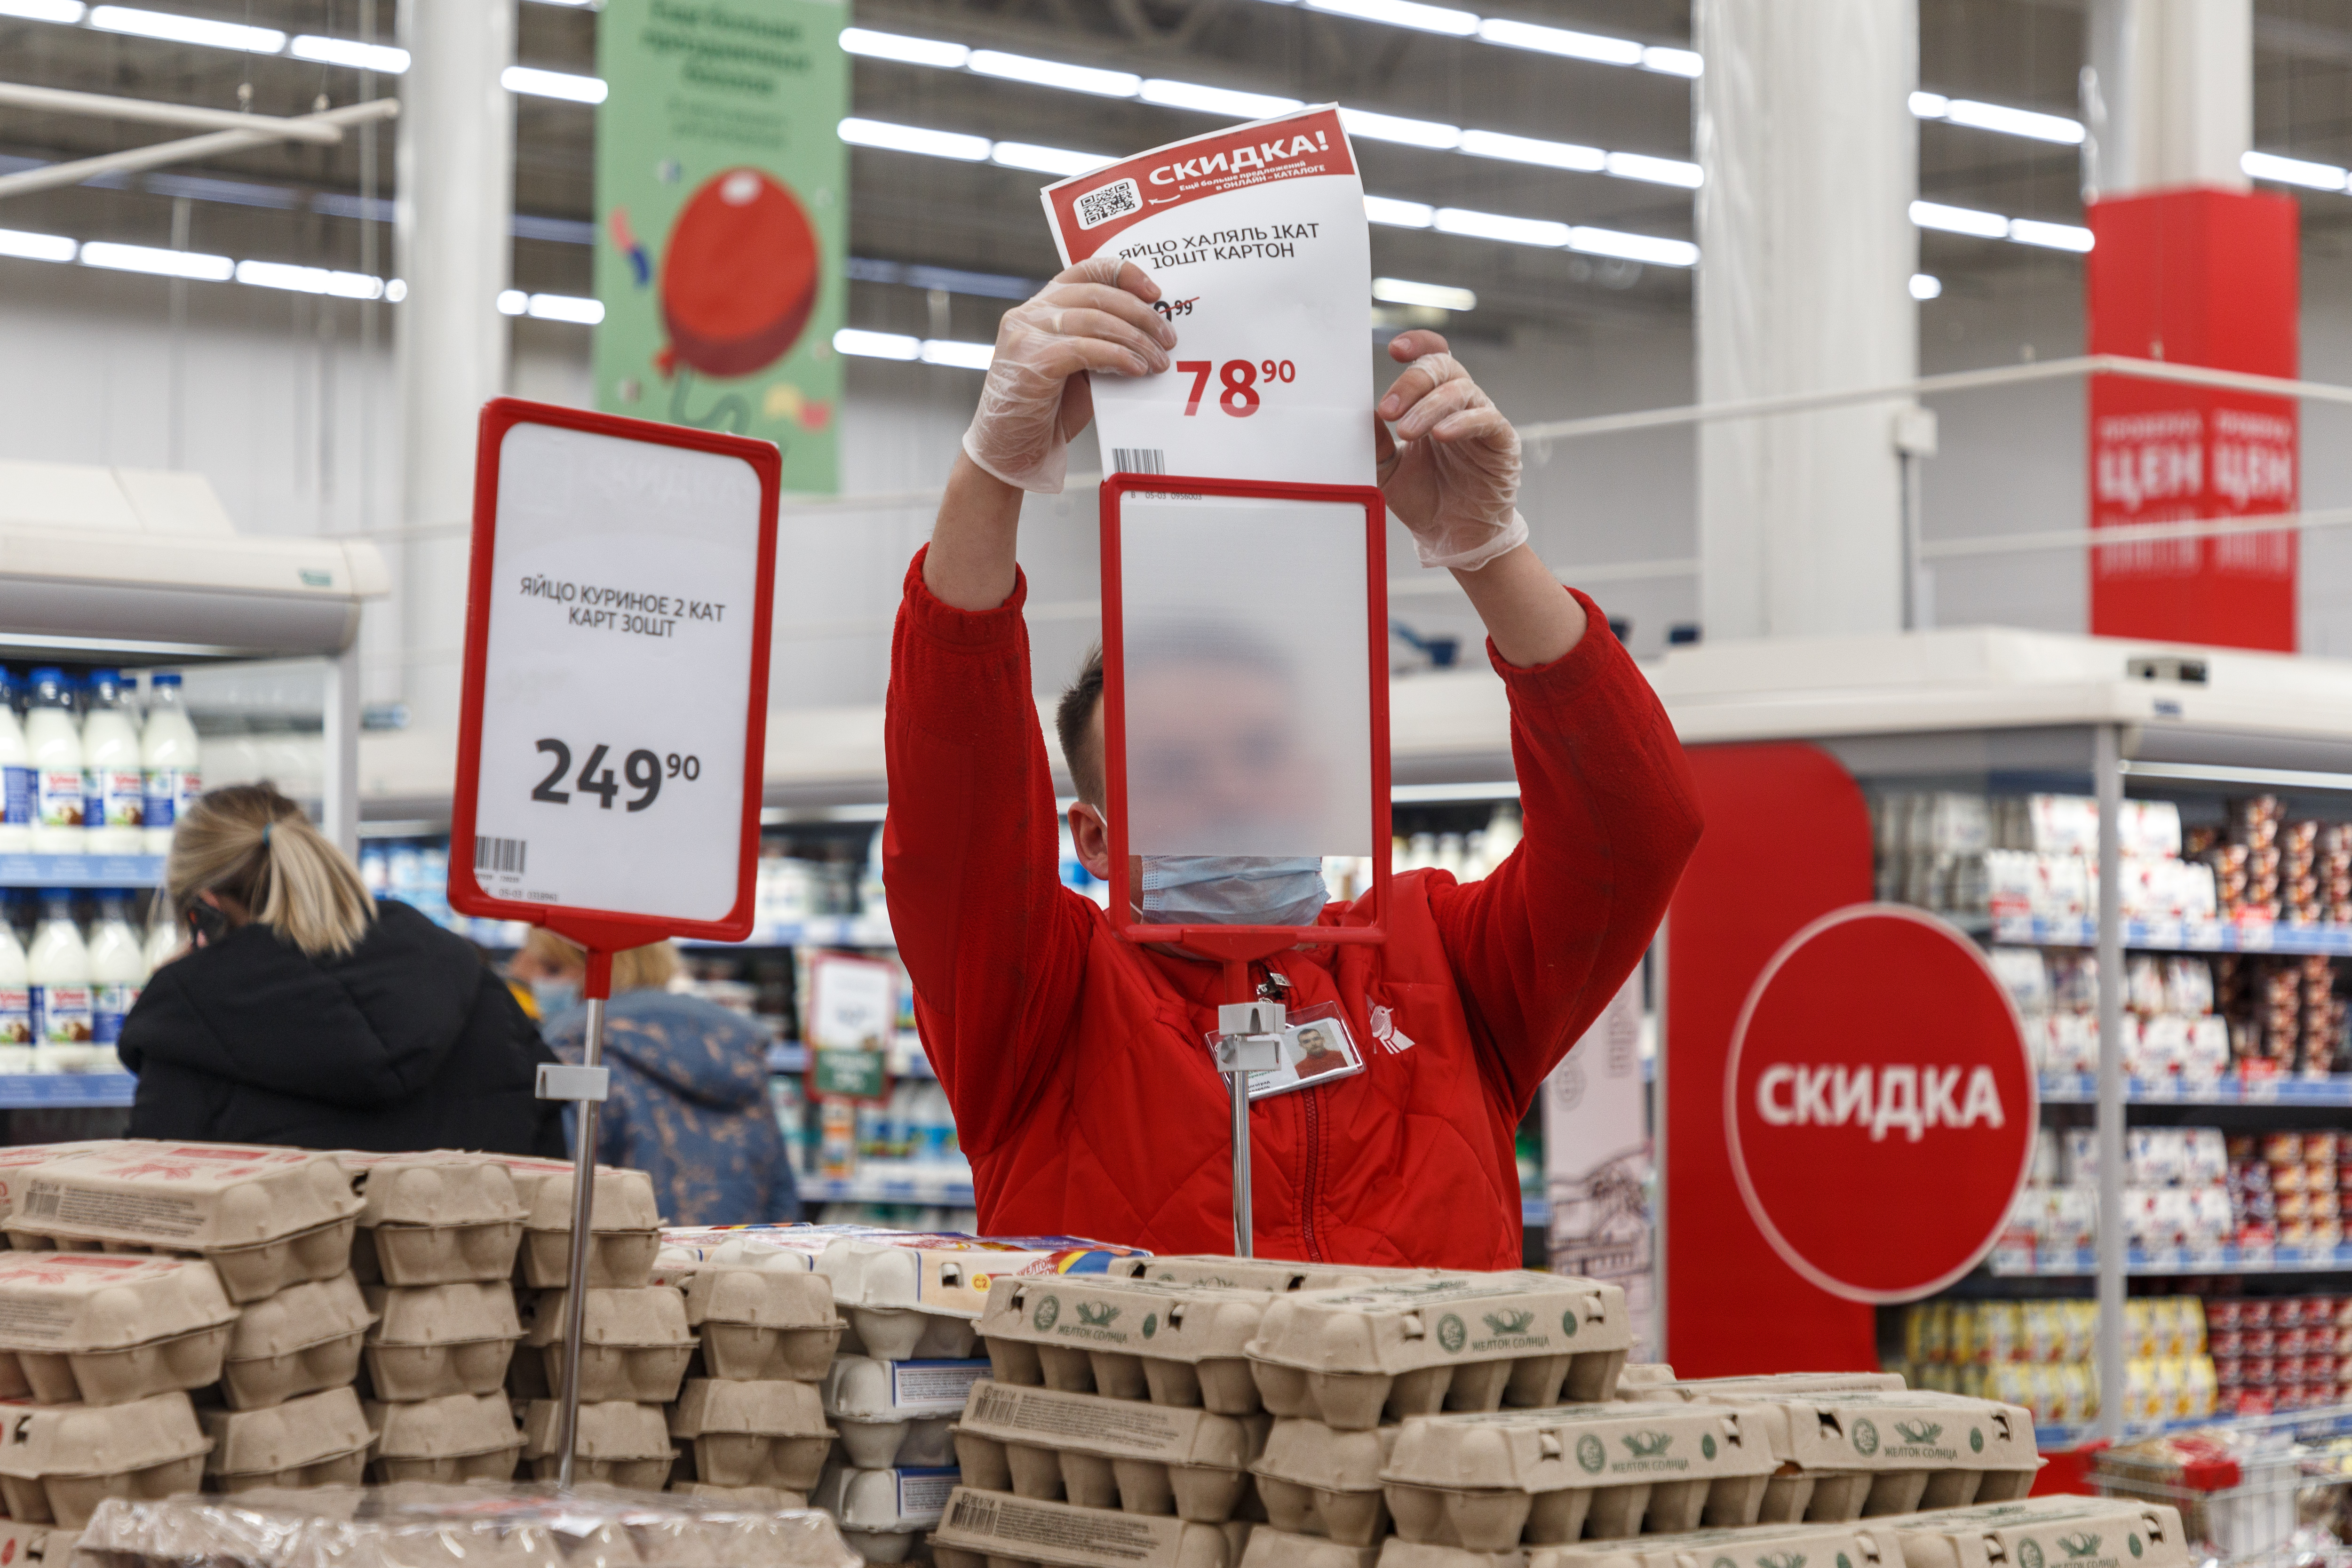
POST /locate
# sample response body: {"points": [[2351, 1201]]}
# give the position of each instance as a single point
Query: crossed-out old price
{"points": [[643, 769], [1241, 379]]}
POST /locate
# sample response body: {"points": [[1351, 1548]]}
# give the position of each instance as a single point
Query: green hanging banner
{"points": [[722, 221]]}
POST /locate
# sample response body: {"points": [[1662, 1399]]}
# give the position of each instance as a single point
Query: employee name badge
{"points": [[1317, 1049], [1257, 240]]}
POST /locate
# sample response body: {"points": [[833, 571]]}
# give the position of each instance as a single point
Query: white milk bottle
{"points": [[15, 1004], [54, 737], [114, 787], [58, 969], [167, 754], [118, 968], [19, 796]]}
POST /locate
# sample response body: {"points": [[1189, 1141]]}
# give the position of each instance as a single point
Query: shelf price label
{"points": [[615, 677]]}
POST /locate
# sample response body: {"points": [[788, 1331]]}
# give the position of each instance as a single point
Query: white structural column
{"points": [[1807, 250], [456, 173], [2168, 96]]}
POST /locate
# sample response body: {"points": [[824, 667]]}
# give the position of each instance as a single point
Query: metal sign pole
{"points": [[583, 1087], [1249, 1039]]}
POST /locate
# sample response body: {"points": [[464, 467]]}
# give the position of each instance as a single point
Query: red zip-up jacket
{"points": [[1076, 1061]]}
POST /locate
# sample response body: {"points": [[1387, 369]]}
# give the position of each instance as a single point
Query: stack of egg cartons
{"points": [[634, 1342], [436, 1248], [220, 1264]]}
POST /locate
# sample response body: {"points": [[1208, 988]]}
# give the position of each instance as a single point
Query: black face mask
{"points": [[205, 923]]}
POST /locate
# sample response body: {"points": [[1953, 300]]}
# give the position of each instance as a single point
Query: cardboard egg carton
{"points": [[997, 1529], [98, 1328], [753, 1434], [760, 1325], [319, 1439], [1767, 1546], [36, 1545], [435, 1218], [2082, 1531], [1097, 1452], [909, 1296], [1315, 1482], [1127, 1338], [1643, 1379], [58, 1462], [18, 1160], [623, 1220], [1254, 1273], [634, 1345], [1773, 1385], [1494, 1480], [304, 1339], [266, 1217], [456, 1437], [1272, 1548], [896, 1413], [619, 1444], [741, 1497], [1861, 1453], [883, 1512], [433, 1341], [1351, 1358]]}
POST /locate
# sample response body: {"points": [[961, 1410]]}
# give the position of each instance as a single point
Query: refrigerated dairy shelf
{"points": [[65, 1090], [2083, 1089], [81, 870], [2183, 1261], [2179, 936]]}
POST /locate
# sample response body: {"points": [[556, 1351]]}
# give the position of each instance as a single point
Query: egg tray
{"points": [[436, 1254], [749, 1353], [116, 1377], [458, 1438], [2111, 1531], [621, 1445], [760, 1325], [1866, 1453], [892, 1413], [1767, 1546], [407, 1374], [211, 1199], [617, 1259], [304, 1339], [995, 1529], [622, 1200], [1271, 1548], [319, 1439], [1103, 1453], [57, 1463], [36, 1545], [1318, 1482], [433, 1341], [246, 1273], [883, 1512], [99, 1330], [634, 1346], [1175, 1344], [1255, 1273], [752, 1433]]}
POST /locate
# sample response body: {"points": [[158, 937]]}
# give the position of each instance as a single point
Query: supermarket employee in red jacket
{"points": [[1076, 1060]]}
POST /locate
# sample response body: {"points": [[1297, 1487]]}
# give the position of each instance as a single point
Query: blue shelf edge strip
{"points": [[126, 871], [2180, 936], [65, 1090], [2218, 1260], [2082, 1088]]}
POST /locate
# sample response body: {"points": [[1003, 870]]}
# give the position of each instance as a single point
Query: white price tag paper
{"points": [[1258, 238], [853, 1002], [616, 697]]}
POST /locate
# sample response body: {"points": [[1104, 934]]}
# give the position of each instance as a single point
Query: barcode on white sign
{"points": [[499, 853], [1139, 460], [1117, 199]]}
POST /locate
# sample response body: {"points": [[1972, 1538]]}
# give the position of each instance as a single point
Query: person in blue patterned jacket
{"points": [[689, 1097]]}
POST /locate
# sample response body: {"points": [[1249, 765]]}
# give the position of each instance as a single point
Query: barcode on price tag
{"points": [[1139, 460], [499, 854]]}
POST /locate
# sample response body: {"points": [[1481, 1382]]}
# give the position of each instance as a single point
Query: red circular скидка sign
{"points": [[1880, 1103]]}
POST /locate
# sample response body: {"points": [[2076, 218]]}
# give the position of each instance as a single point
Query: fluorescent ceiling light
{"points": [[1560, 41], [1046, 160], [1960, 220], [2014, 121], [1436, 296], [567, 308], [1055, 73], [1494, 226], [1396, 128], [1656, 171], [905, 50], [2054, 236], [1397, 214], [1673, 62], [66, 11], [1404, 14], [535, 83], [1529, 150], [963, 356], [163, 263], [396, 290], [188, 30], [309, 279], [514, 302], [1649, 247], [349, 52], [875, 345], [1926, 286], [27, 246], [1217, 100], [1929, 105], [2293, 172], [915, 139]]}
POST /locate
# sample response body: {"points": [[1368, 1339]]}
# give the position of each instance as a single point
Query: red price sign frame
{"points": [[606, 932], [1242, 943]]}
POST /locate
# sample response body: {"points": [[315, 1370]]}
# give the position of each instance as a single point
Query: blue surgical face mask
{"points": [[554, 995], [1233, 889]]}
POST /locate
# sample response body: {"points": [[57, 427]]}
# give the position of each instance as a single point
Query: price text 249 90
{"points": [[643, 769]]}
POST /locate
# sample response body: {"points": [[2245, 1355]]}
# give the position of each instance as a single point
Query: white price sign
{"points": [[616, 650], [853, 1002]]}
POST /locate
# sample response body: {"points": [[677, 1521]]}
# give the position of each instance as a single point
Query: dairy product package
{"points": [[623, 1218], [1351, 1357], [896, 1413], [1766, 1546], [318, 1439], [58, 1462], [1108, 1453], [634, 1345], [108, 1329], [1258, 238], [305, 1338], [909, 1296], [266, 1218], [1490, 1481], [515, 1526], [2094, 1531], [435, 1218], [1865, 1453], [1128, 1339], [432, 1341], [1319, 1482], [1254, 1273], [993, 1530], [456, 1437], [883, 1513], [753, 1434], [760, 1324], [619, 1444]]}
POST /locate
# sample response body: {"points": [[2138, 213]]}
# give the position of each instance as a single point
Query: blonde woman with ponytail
{"points": [[303, 1011]]}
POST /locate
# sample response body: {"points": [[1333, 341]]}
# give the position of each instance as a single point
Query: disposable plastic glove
{"points": [[1451, 472], [1096, 316]]}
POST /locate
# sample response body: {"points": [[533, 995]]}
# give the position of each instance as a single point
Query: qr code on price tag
{"points": [[1115, 200]]}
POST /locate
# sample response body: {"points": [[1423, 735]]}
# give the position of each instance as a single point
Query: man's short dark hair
{"points": [[1074, 723]]}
